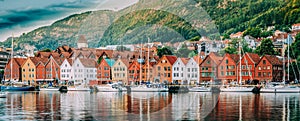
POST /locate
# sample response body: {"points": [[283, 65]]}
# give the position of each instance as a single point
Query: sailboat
{"points": [[238, 88], [281, 87], [148, 87], [16, 86]]}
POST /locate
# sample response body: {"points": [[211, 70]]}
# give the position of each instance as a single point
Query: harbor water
{"points": [[155, 106]]}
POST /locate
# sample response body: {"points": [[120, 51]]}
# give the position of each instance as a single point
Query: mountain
{"points": [[175, 22]]}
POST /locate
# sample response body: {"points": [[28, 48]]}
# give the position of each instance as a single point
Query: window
{"points": [[169, 68], [208, 62], [29, 70], [158, 68], [32, 69], [264, 61], [221, 67], [259, 68], [23, 70], [188, 69], [226, 61], [268, 67]]}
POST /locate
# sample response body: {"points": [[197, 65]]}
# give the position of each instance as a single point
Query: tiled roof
{"points": [[298, 24], [44, 54], [136, 64], [126, 62], [197, 59], [44, 60], [20, 61], [172, 59], [35, 60], [70, 61], [255, 57], [215, 57], [59, 60], [235, 57], [88, 63], [273, 60], [65, 54]]}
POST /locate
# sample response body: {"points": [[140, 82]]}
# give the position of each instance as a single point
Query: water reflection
{"points": [[148, 106]]}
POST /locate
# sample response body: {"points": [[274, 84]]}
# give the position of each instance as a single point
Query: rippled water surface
{"points": [[148, 106]]}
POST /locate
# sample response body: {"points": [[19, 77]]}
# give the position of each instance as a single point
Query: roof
{"points": [[298, 24], [235, 57], [20, 61], [255, 57], [88, 63], [215, 57], [273, 60], [82, 39], [126, 62], [172, 59], [65, 54], [135, 63], [110, 62], [185, 60], [70, 61], [35, 60], [197, 59]]}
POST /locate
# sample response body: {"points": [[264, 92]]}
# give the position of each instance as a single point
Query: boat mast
{"points": [[288, 64], [240, 65], [148, 61], [11, 57], [141, 63], [284, 73]]}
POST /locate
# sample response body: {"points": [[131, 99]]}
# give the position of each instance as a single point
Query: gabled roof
{"points": [[110, 62], [70, 61], [43, 61], [235, 57], [197, 59], [254, 57], [88, 63], [172, 59], [135, 63], [273, 60], [35, 60], [126, 62], [65, 54], [20, 61], [215, 57], [185, 60]]}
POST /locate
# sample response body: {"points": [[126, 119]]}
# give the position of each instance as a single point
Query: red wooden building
{"points": [[14, 73], [227, 69], [248, 64], [209, 66], [269, 68]]}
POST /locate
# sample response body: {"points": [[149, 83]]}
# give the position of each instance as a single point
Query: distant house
{"points": [[66, 71], [82, 42], [12, 69], [29, 70], [104, 71], [163, 70], [84, 70], [228, 69], [296, 27], [248, 64], [192, 70], [120, 71], [134, 71], [269, 68], [41, 70], [148, 71], [237, 35], [209, 66], [179, 71]]}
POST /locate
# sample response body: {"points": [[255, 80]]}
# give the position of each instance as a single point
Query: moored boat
{"points": [[236, 89], [280, 89], [144, 88], [200, 89], [19, 88], [78, 88], [111, 88], [2, 95], [50, 89]]}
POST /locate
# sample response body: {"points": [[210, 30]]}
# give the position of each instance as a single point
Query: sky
{"points": [[22, 16]]}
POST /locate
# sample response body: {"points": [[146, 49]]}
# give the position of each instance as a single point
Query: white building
{"points": [[82, 42], [192, 71], [179, 71], [85, 70], [66, 70]]}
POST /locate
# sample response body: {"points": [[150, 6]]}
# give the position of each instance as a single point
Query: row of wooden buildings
{"points": [[96, 66]]}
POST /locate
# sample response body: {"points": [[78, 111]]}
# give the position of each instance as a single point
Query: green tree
{"points": [[254, 32], [193, 53], [183, 52], [122, 48], [266, 48], [295, 48], [196, 38], [164, 51]]}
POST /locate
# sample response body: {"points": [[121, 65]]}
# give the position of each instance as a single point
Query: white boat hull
{"points": [[145, 89], [199, 89], [2, 95], [280, 90], [79, 89], [49, 89], [110, 89], [237, 89]]}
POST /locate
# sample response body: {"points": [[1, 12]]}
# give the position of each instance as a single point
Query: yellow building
{"points": [[29, 70]]}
